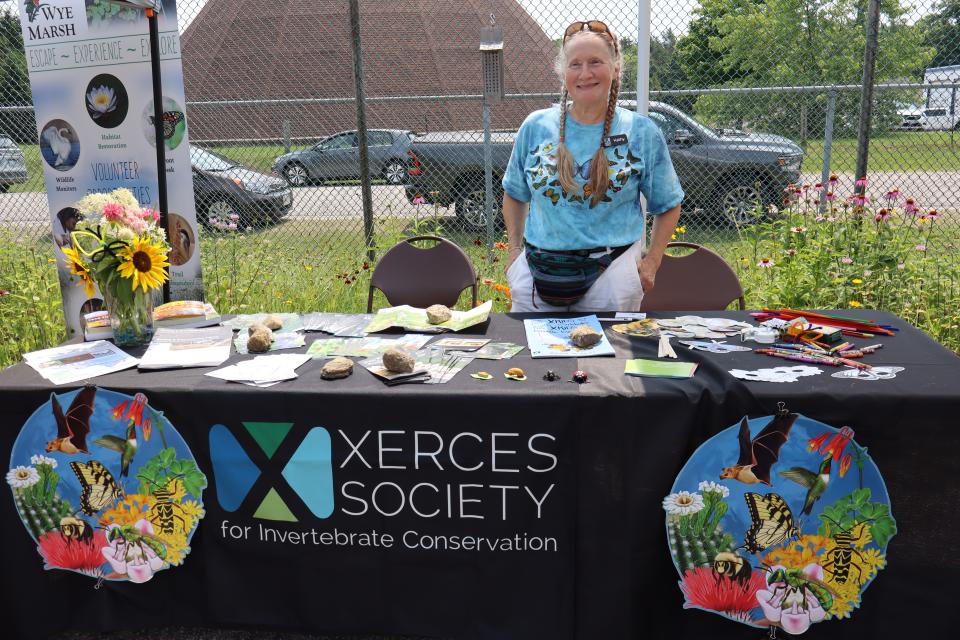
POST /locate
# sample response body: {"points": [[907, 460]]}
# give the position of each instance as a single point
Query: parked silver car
{"points": [[13, 167], [338, 158]]}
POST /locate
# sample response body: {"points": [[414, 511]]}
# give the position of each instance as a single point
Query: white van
{"points": [[941, 109]]}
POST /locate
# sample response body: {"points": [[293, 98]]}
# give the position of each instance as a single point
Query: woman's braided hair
{"points": [[599, 165]]}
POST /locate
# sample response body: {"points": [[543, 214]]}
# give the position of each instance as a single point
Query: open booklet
{"points": [[75, 362], [183, 348], [414, 319]]}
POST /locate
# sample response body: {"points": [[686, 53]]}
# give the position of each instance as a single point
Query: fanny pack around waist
{"points": [[562, 278]]}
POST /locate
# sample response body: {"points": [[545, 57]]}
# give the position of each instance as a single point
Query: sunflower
{"points": [[78, 269], [143, 263]]}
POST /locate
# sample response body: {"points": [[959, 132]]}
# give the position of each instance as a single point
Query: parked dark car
{"points": [[13, 167], [222, 186], [338, 158], [722, 171]]}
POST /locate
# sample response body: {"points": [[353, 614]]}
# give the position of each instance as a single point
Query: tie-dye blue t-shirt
{"points": [[563, 221]]}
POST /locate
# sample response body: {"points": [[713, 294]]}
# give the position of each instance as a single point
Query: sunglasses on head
{"points": [[595, 26]]}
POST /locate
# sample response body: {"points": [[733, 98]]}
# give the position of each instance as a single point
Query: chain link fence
{"points": [[750, 95]]}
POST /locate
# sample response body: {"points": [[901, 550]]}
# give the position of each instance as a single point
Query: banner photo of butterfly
{"points": [[779, 522], [106, 486]]}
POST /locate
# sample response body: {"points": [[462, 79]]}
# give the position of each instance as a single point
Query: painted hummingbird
{"points": [[126, 448], [816, 483]]}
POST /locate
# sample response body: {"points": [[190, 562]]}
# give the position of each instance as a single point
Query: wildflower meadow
{"points": [[882, 251]]}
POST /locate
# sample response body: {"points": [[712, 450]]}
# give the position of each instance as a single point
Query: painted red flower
{"points": [[135, 412], [478, 242], [66, 553], [845, 464], [119, 409], [814, 444], [502, 246], [702, 589], [837, 443]]}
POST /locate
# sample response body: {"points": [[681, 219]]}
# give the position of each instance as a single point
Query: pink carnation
{"points": [[149, 214]]}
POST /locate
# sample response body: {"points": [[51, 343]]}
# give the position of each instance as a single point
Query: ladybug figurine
{"points": [[579, 376], [551, 376]]}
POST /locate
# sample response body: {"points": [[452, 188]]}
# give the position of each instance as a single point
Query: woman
{"points": [[572, 190]]}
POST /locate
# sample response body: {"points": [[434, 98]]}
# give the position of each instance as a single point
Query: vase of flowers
{"points": [[121, 248]]}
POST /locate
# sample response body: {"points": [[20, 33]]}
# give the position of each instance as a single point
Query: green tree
{"points": [[806, 42], [15, 89], [943, 33], [697, 52], [665, 70]]}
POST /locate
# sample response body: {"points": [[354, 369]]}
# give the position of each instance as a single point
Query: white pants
{"points": [[617, 289]]}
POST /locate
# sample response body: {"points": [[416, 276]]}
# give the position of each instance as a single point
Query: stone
{"points": [[255, 327], [273, 322], [398, 360], [584, 336], [338, 367], [438, 313], [260, 341]]}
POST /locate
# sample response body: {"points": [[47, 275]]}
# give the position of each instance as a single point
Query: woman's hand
{"points": [[648, 268], [512, 255]]}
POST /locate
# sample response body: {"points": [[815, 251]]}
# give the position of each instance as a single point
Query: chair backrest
{"points": [[698, 281], [420, 277]]}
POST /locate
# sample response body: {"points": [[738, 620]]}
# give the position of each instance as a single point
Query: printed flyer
{"points": [[90, 74]]}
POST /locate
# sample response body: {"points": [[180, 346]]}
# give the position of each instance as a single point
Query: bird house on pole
{"points": [[491, 52]]}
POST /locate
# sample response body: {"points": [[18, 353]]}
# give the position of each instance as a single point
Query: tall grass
{"points": [[846, 259], [31, 316]]}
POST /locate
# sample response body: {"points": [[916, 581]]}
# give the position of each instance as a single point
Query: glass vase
{"points": [[131, 318]]}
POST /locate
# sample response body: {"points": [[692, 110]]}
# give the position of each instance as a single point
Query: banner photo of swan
{"points": [[779, 521], [92, 86]]}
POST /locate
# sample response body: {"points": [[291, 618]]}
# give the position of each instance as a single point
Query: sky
{"points": [[554, 15]]}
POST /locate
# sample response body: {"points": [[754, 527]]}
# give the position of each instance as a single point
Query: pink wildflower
{"points": [[113, 211]]}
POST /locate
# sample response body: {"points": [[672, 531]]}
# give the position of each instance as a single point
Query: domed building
{"points": [[291, 60]]}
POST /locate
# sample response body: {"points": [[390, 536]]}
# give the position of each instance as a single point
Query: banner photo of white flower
{"points": [[779, 521], [105, 486]]}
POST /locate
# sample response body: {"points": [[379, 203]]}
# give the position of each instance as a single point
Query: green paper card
{"points": [[659, 368]]}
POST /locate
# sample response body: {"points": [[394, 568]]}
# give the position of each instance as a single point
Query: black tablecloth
{"points": [[583, 465]]}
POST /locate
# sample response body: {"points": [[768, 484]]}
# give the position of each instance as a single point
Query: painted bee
{"points": [[785, 583], [733, 567], [73, 528]]}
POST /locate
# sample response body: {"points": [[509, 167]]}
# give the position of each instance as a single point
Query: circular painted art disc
{"points": [[105, 485], [792, 553]]}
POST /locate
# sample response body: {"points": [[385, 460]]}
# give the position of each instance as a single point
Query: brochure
{"points": [[96, 326], [182, 348], [659, 368], [550, 338], [262, 371], [185, 314], [440, 366], [339, 324], [75, 362], [493, 351], [414, 319], [461, 344], [281, 340], [648, 328], [364, 347], [291, 321]]}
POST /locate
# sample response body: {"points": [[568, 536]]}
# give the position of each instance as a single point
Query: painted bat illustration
{"points": [[74, 425], [758, 455]]}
